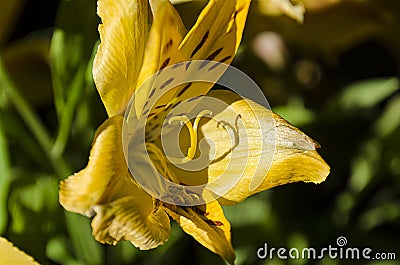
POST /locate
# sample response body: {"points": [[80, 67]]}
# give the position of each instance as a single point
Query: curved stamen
{"points": [[192, 128], [160, 158]]}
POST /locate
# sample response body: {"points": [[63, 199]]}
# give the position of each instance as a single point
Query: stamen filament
{"points": [[192, 128]]}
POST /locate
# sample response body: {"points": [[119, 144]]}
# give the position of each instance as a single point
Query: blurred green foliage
{"points": [[337, 80]]}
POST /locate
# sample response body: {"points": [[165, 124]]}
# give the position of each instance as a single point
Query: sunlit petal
{"points": [[156, 5], [215, 36], [166, 34], [219, 26], [132, 218], [120, 55], [208, 225], [256, 150], [106, 189], [105, 172], [12, 255]]}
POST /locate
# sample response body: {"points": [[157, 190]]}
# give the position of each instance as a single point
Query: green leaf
{"points": [[71, 53], [28, 202], [5, 179], [57, 250], [252, 212], [389, 120], [368, 93], [384, 213], [86, 248], [41, 196], [365, 165], [72, 44], [295, 112]]}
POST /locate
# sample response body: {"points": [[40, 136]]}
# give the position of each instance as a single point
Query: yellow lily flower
{"points": [[130, 52]]}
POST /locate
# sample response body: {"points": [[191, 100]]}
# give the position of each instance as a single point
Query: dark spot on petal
{"points": [[176, 65], [225, 59], [194, 98], [166, 83], [167, 46], [219, 62], [165, 63], [184, 89], [152, 92], [237, 12], [214, 54], [176, 104], [199, 211], [218, 223], [161, 106], [169, 43], [188, 65], [215, 223], [198, 47], [210, 57]]}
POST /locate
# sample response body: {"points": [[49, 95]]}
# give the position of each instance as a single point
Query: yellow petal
{"points": [[157, 5], [12, 255], [215, 36], [208, 225], [259, 147], [106, 189], [119, 58], [101, 179], [219, 26], [132, 218], [165, 36]]}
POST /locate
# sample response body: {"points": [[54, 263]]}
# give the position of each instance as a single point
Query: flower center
{"points": [[184, 120], [160, 159]]}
